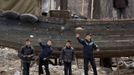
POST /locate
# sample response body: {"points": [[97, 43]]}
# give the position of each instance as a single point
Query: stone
{"points": [[10, 14], [28, 18]]}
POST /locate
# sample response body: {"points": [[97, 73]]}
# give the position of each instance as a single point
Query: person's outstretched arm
{"points": [[80, 40], [40, 42]]}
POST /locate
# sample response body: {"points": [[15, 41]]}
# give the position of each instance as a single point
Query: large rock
{"points": [[28, 18], [10, 15]]}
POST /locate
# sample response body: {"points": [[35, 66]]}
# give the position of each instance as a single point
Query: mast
{"points": [[92, 9]]}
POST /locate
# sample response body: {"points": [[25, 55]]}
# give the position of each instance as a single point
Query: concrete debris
{"points": [[10, 65], [17, 73], [9, 61]]}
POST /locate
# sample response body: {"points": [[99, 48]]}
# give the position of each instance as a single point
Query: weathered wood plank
{"points": [[113, 42]]}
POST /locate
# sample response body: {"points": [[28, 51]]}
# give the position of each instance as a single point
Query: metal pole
{"points": [[40, 7], [92, 9], [82, 9], [50, 4]]}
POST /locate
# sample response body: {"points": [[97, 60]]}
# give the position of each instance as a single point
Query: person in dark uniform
{"points": [[89, 46], [44, 57], [67, 55], [26, 55], [120, 6]]}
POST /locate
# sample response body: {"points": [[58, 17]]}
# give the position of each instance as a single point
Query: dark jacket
{"points": [[67, 54], [120, 4], [89, 46], [46, 51], [25, 52]]}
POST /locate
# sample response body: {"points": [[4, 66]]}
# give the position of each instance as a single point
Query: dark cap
{"points": [[28, 39], [69, 41]]}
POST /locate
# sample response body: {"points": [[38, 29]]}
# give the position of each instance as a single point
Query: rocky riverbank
{"points": [[10, 64]]}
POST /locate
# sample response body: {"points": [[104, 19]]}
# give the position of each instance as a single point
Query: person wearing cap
{"points": [[26, 55], [89, 45], [44, 57], [67, 55]]}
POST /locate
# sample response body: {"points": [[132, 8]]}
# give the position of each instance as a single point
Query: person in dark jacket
{"points": [[44, 57], [26, 55], [88, 55], [67, 56], [120, 6]]}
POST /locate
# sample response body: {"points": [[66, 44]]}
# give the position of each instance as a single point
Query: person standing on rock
{"points": [[44, 57], [88, 55], [67, 55], [26, 55], [120, 6]]}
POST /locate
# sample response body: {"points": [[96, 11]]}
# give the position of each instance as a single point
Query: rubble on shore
{"points": [[10, 64]]}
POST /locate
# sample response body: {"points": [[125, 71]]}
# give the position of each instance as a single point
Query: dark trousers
{"points": [[46, 65], [26, 66], [86, 63], [121, 13], [67, 68]]}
